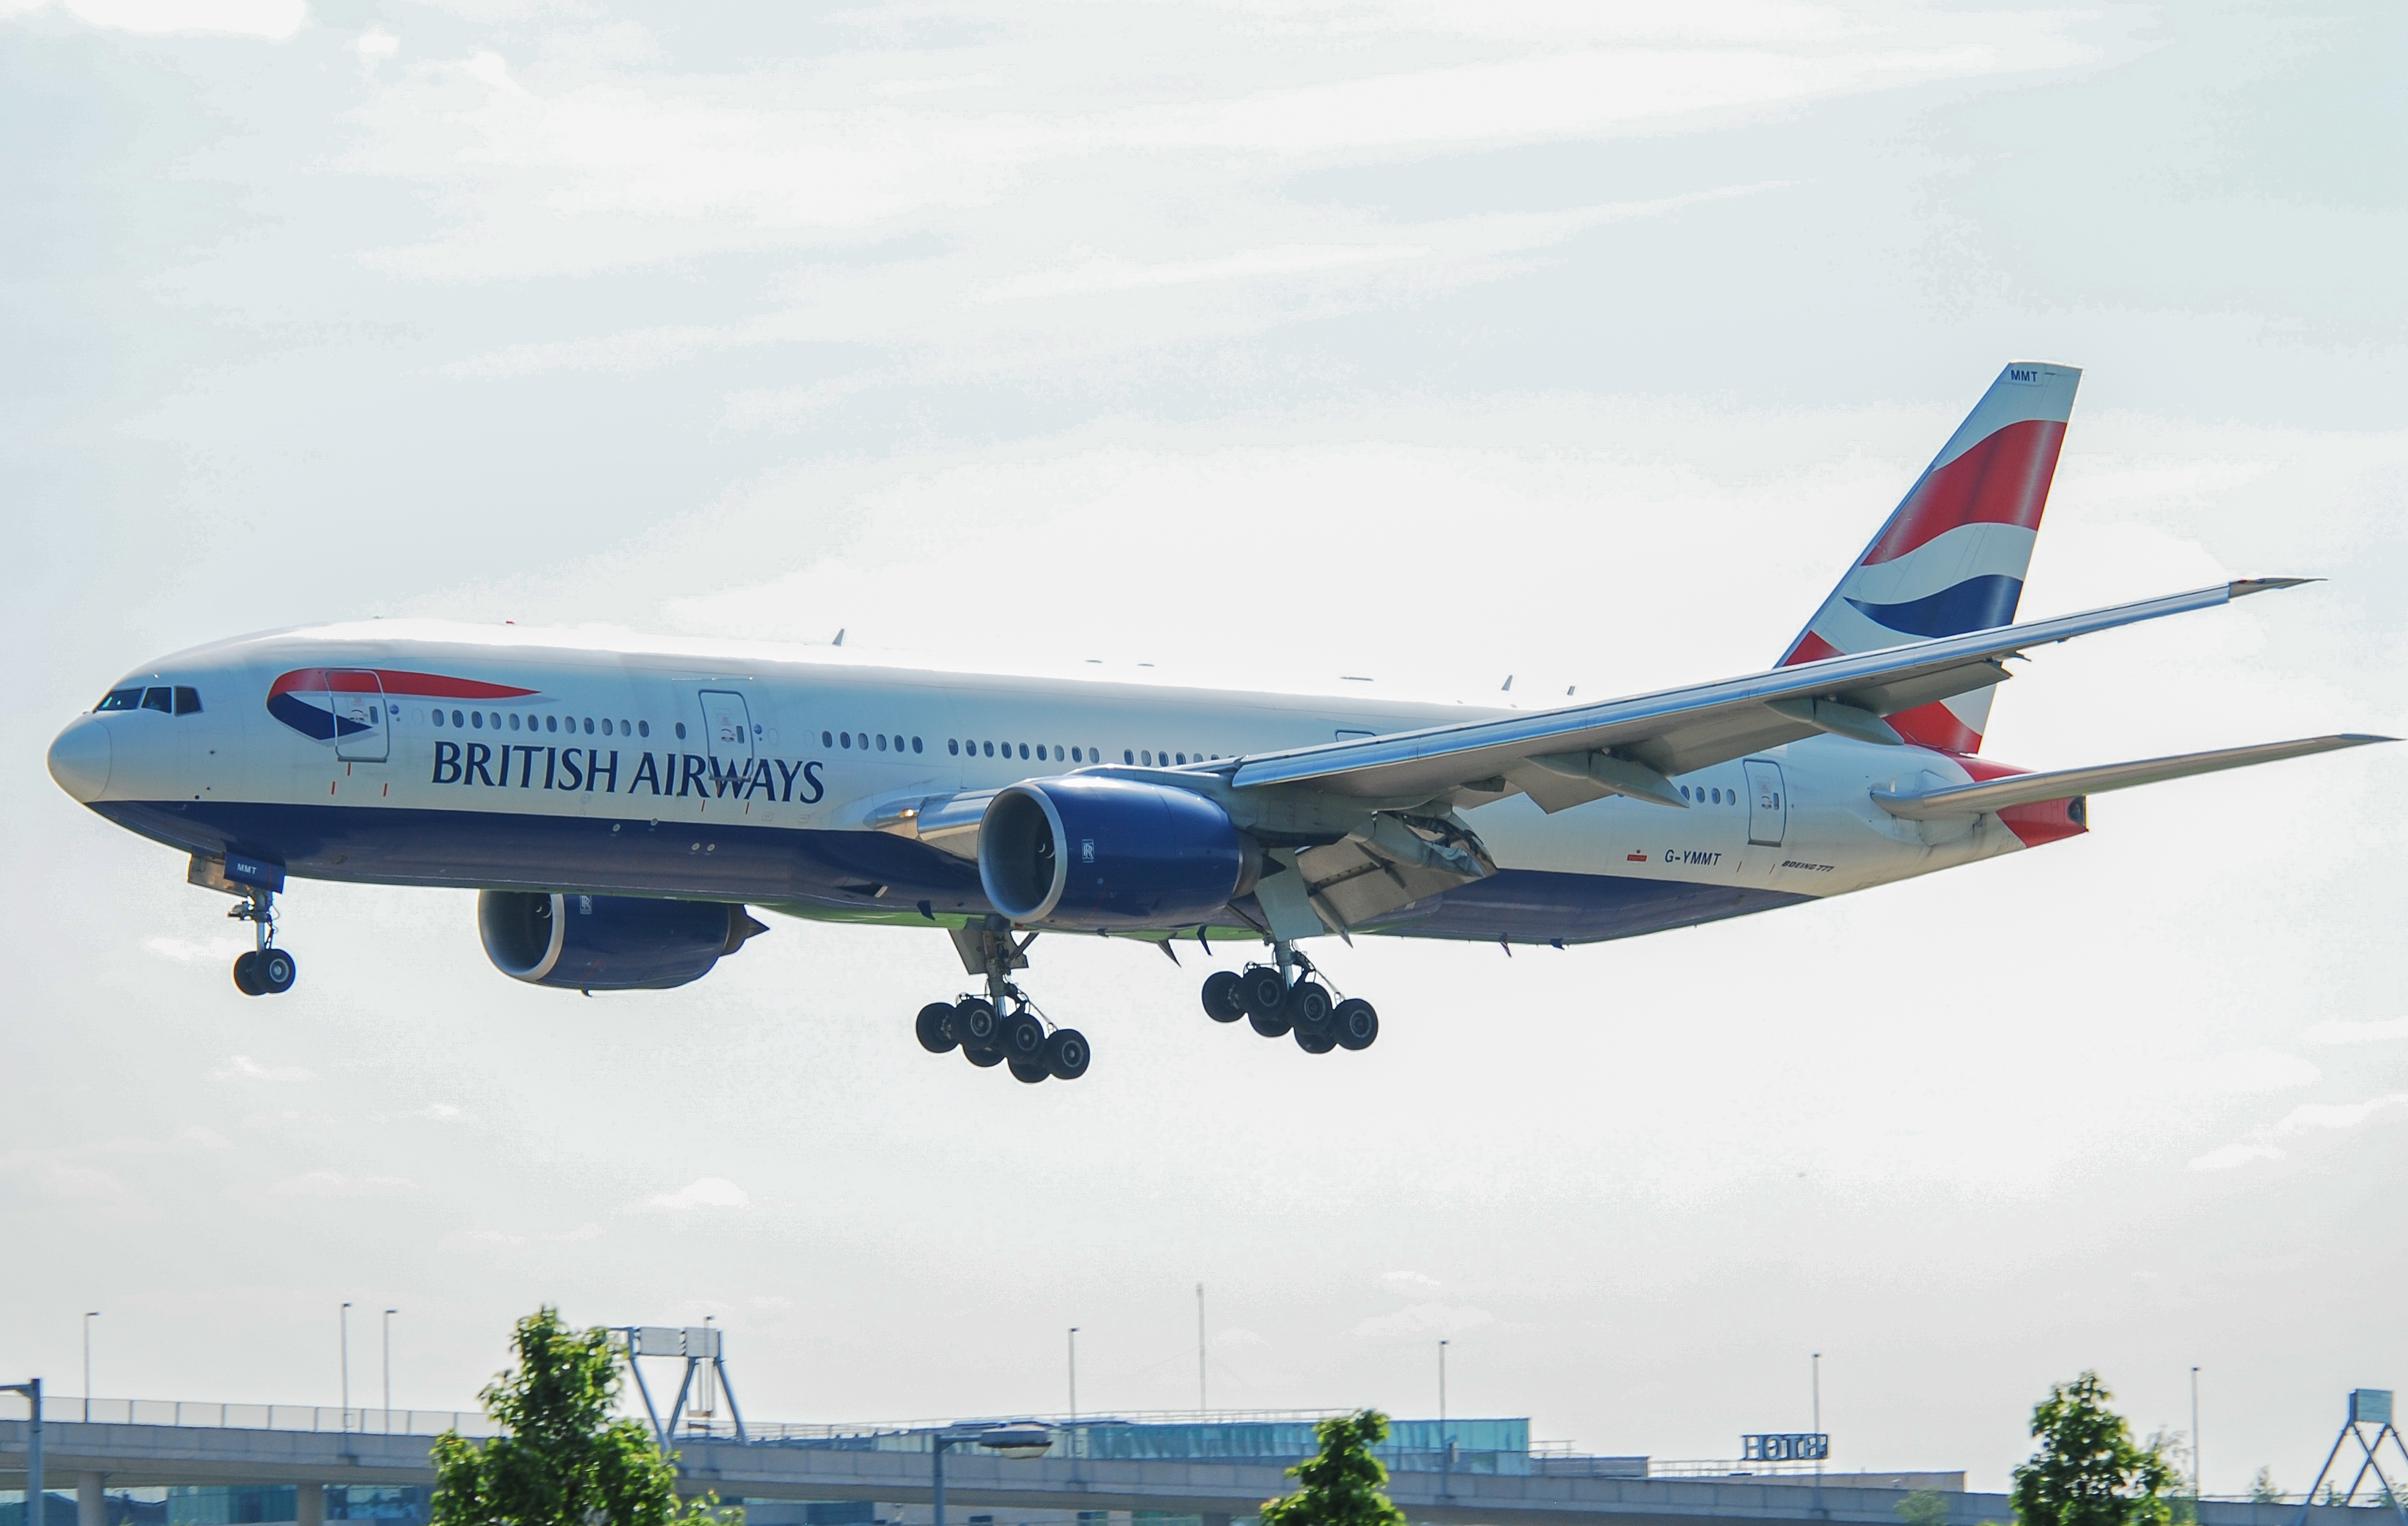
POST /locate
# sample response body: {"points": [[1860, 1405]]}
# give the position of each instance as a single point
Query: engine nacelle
{"points": [[608, 942], [1088, 850]]}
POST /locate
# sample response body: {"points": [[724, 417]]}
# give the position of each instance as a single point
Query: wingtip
{"points": [[2241, 588]]}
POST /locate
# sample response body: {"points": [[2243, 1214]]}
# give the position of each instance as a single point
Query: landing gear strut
{"points": [[1285, 997], [1003, 1027], [265, 969]]}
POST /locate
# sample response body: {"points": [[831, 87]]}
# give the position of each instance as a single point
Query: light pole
{"points": [[1009, 1440], [1446, 1451], [1818, 1430], [345, 1317], [388, 1370], [1074, 1372], [2193, 1441], [89, 1314], [1203, 1393], [32, 1390]]}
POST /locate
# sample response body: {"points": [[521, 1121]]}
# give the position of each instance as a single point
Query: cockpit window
{"points": [[121, 699], [159, 699], [188, 701]]}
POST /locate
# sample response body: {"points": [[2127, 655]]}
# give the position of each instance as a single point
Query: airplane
{"points": [[621, 807]]}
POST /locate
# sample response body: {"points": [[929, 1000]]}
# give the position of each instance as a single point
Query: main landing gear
{"points": [[265, 969], [1001, 1028], [1283, 998]]}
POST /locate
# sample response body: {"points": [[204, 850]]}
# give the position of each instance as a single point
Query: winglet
{"points": [[2241, 588]]}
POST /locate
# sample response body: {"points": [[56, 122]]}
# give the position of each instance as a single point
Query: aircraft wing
{"points": [[1565, 757], [2059, 784]]}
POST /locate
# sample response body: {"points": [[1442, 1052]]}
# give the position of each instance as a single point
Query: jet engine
{"points": [[1087, 851], [608, 942]]}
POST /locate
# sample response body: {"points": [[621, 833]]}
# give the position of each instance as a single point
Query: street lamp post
{"points": [[32, 1390], [1074, 1372], [388, 1370], [89, 1316], [345, 1317], [1446, 1452], [1009, 1440]]}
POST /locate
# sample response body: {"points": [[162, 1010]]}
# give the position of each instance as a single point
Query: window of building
{"points": [[188, 701], [120, 699]]}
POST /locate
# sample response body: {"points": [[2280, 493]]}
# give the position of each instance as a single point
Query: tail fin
{"points": [[1952, 556]]}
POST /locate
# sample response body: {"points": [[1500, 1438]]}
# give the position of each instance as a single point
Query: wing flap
{"points": [[2064, 783]]}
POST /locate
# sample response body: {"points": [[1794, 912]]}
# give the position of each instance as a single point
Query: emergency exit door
{"points": [[1768, 804]]}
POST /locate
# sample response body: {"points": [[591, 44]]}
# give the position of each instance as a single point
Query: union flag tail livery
{"points": [[1952, 558], [620, 805]]}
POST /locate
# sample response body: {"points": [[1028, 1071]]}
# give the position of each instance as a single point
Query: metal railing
{"points": [[356, 1420]]}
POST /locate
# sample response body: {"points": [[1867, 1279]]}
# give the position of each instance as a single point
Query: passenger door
{"points": [[1768, 805], [362, 720], [726, 726]]}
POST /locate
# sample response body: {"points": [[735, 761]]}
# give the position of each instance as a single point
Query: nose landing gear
{"points": [[265, 969], [1003, 1027], [1284, 998]]}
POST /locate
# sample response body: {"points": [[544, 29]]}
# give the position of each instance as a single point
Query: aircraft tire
{"points": [[276, 971], [1272, 1026], [1309, 1008], [1021, 1037], [1355, 1024], [1264, 991], [974, 1022], [1066, 1054], [983, 1058], [1220, 998], [935, 1028], [1315, 1040], [246, 974], [1029, 1072]]}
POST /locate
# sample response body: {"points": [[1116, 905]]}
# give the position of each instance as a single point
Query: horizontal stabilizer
{"points": [[2030, 789]]}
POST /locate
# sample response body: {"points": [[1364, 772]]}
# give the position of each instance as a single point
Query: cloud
{"points": [[185, 950], [1237, 1337], [204, 1138], [2358, 1033], [441, 1112], [703, 1192], [1409, 1284], [60, 1178], [243, 1066], [493, 1239], [1422, 1321], [271, 20], [2245, 1072], [335, 1184], [2259, 1145]]}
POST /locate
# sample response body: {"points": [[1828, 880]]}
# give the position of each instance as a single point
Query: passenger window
{"points": [[606, 727], [477, 718], [681, 731], [1182, 758], [1126, 756], [882, 741], [188, 701], [1147, 757], [455, 718], [915, 744], [514, 721], [589, 725], [847, 743], [828, 738], [120, 699], [162, 699], [644, 728], [551, 724], [954, 746]]}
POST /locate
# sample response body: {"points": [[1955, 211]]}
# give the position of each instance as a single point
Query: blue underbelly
{"points": [[840, 871]]}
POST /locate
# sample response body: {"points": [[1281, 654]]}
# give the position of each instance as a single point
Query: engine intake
{"points": [[608, 942], [1088, 850]]}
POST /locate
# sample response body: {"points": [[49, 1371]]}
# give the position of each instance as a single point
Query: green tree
{"points": [[1923, 1507], [2088, 1471], [1343, 1483], [2264, 1488], [564, 1461]]}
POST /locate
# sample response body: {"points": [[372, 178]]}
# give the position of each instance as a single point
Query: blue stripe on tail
{"points": [[1977, 603]]}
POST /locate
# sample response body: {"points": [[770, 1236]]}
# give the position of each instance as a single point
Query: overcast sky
{"points": [[1434, 341]]}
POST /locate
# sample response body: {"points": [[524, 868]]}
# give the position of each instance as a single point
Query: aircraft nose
{"points": [[79, 757]]}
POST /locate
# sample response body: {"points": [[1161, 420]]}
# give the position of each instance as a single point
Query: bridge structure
{"points": [[312, 1450]]}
